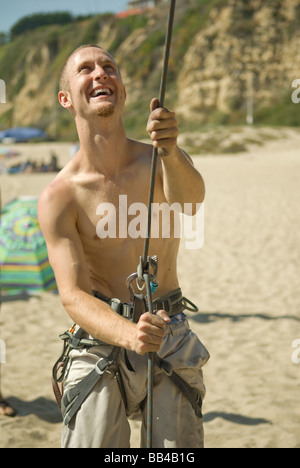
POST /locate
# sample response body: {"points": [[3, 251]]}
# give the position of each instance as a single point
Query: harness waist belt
{"points": [[173, 303]]}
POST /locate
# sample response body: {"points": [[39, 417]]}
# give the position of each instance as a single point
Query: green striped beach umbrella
{"points": [[23, 253]]}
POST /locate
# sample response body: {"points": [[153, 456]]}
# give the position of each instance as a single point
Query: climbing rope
{"points": [[144, 274]]}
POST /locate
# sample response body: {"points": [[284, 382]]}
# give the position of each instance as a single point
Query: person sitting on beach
{"points": [[91, 269], [5, 408]]}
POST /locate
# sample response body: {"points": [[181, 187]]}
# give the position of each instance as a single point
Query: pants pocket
{"points": [[183, 349]]}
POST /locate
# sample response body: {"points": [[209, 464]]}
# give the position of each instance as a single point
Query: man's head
{"points": [[91, 76], [64, 74]]}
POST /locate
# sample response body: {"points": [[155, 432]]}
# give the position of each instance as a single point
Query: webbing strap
{"points": [[191, 393], [73, 398]]}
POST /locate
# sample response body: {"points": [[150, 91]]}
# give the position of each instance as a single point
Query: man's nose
{"points": [[100, 73]]}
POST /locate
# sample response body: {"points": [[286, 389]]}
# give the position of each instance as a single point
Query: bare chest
{"points": [[112, 224], [114, 210]]}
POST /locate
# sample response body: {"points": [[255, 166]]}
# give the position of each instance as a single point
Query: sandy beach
{"points": [[245, 281]]}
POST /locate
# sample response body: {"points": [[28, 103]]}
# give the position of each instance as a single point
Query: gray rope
{"points": [[147, 239], [161, 103]]}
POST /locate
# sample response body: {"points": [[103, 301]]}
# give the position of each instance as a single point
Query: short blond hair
{"points": [[64, 84]]}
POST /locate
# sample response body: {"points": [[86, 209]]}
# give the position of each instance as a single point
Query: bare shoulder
{"points": [[57, 200], [58, 191], [140, 148], [143, 153]]}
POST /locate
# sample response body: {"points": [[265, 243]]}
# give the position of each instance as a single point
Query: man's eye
{"points": [[84, 68], [109, 68]]}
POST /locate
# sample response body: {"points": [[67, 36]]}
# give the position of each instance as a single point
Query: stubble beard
{"points": [[106, 110]]}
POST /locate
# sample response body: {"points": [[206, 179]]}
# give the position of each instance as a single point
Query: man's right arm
{"points": [[57, 217]]}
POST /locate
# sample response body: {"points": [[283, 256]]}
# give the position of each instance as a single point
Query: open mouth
{"points": [[101, 92]]}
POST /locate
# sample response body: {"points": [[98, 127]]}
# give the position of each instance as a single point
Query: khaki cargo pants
{"points": [[102, 422]]}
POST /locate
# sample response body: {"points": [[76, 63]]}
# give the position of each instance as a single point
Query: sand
{"points": [[245, 280]]}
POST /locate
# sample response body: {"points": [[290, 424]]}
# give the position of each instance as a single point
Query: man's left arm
{"points": [[181, 181]]}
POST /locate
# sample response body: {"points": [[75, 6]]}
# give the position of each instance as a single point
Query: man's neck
{"points": [[103, 145]]}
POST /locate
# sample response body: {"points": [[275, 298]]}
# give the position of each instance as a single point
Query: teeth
{"points": [[101, 92]]}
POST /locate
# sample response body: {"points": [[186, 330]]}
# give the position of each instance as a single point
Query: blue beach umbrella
{"points": [[23, 253], [22, 134]]}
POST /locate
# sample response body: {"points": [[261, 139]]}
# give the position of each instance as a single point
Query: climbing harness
{"points": [[70, 401]]}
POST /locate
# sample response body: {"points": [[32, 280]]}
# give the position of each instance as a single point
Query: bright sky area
{"points": [[13, 10]]}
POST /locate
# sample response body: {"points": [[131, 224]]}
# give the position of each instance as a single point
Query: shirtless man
{"points": [[109, 164]]}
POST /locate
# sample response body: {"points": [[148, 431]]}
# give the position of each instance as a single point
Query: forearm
{"points": [[182, 182], [99, 320]]}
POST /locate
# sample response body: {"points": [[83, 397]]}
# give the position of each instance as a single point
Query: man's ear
{"points": [[65, 100], [125, 94]]}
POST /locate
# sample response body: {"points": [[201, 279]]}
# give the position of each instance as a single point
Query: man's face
{"points": [[95, 84]]}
